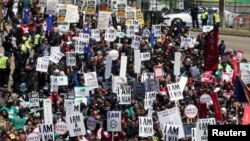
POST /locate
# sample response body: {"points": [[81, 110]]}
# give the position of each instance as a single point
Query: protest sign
{"points": [[95, 34], [69, 96], [114, 54], [182, 83], [61, 13], [171, 116], [121, 5], [124, 94], [42, 64], [33, 137], [139, 88], [185, 42], [123, 66], [130, 31], [129, 14], [205, 98], [108, 67], [69, 106], [103, 5], [149, 99], [202, 128], [174, 91], [146, 127], [194, 134], [245, 79], [91, 123], [158, 70], [91, 5], [152, 85], [135, 23], [114, 121], [136, 41], [34, 100], [54, 49], [83, 38], [156, 30], [90, 80], [177, 63], [207, 76], [207, 28], [56, 57], [147, 75], [170, 132], [137, 61], [75, 125], [71, 15], [102, 20], [110, 34], [42, 3], [226, 77], [239, 55], [81, 91], [116, 81], [46, 131], [47, 111], [70, 59], [195, 72], [53, 88], [51, 7], [145, 56], [59, 80], [61, 128], [188, 129], [113, 5], [139, 17], [191, 111]]}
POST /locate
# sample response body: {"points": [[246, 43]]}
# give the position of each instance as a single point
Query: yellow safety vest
{"points": [[24, 48], [36, 39], [217, 18], [3, 61], [204, 15]]}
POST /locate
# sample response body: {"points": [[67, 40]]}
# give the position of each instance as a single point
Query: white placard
{"points": [[59, 80], [108, 67], [135, 23], [116, 81], [191, 111], [174, 91], [146, 75], [75, 124], [54, 49], [177, 63], [171, 132], [103, 20], [61, 128], [145, 56], [182, 83], [207, 28], [123, 66], [114, 121], [114, 54], [110, 35], [42, 3], [130, 31], [70, 59], [95, 34], [206, 98], [202, 128], [245, 79], [34, 100], [149, 99], [124, 95], [46, 131], [91, 123], [136, 41], [186, 42], [47, 111], [42, 64], [56, 57], [90, 80], [79, 49], [69, 106], [146, 127], [156, 30], [33, 137], [137, 61], [171, 116], [193, 134], [83, 39], [72, 15], [81, 91], [51, 7]]}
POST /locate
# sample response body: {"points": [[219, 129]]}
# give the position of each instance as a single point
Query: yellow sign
{"points": [[91, 7], [139, 17]]}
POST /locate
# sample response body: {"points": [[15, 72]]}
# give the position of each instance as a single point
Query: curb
{"points": [[224, 32]]}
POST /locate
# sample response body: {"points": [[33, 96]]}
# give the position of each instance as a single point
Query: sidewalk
{"points": [[229, 31]]}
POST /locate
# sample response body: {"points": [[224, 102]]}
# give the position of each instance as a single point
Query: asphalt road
{"points": [[235, 43]]}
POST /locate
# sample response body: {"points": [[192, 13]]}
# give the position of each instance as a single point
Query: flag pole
{"points": [[113, 135]]}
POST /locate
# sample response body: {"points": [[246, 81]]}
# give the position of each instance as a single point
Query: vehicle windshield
{"points": [[189, 10]]}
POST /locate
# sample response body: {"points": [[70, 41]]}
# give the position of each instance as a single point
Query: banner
{"points": [[56, 57], [121, 5], [130, 15], [149, 99], [110, 35], [90, 80], [177, 63], [103, 5], [171, 116], [202, 128], [123, 66], [156, 29], [211, 51], [51, 7], [46, 131], [81, 91], [75, 124], [124, 94], [34, 100], [139, 17], [42, 64], [108, 67], [158, 71], [217, 110], [95, 34], [91, 5], [61, 128], [147, 75], [136, 41], [174, 91], [114, 121], [102, 20], [146, 127], [170, 132], [71, 15], [152, 85], [235, 69], [62, 9], [137, 61], [70, 59], [116, 81], [145, 56], [47, 111]]}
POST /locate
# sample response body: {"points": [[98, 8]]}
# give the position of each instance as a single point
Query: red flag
{"points": [[202, 110], [217, 111], [211, 52], [235, 68], [246, 116]]}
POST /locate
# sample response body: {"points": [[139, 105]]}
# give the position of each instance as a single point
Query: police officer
{"points": [[4, 70], [216, 19], [204, 16]]}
